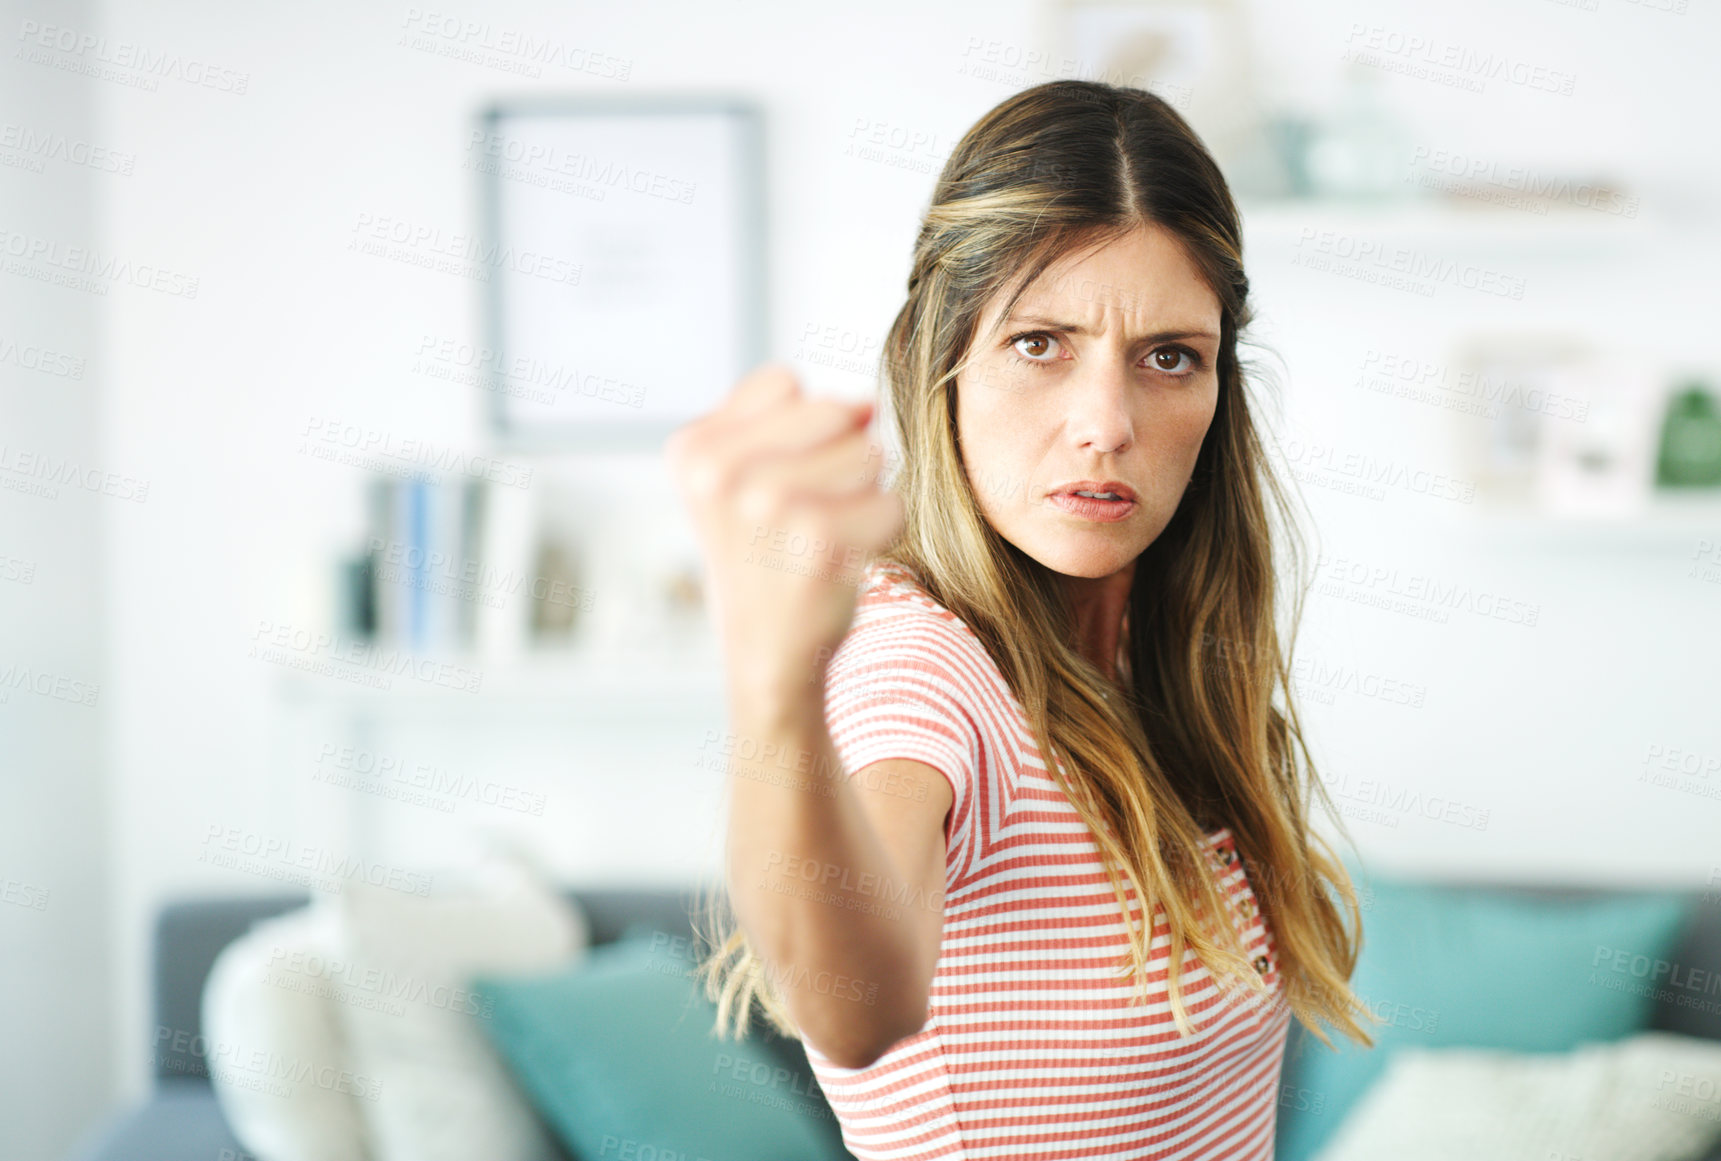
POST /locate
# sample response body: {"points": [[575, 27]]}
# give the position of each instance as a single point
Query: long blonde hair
{"points": [[1198, 742]]}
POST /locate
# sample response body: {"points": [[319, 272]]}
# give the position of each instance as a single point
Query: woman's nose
{"points": [[1099, 402]]}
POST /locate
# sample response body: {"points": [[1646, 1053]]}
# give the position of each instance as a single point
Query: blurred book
{"points": [[501, 574], [436, 574]]}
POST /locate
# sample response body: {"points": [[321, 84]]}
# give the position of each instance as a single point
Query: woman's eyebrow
{"points": [[1073, 329]]}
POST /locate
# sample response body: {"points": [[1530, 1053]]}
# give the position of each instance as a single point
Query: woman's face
{"points": [[1104, 375]]}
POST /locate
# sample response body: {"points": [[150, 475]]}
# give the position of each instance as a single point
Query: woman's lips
{"points": [[1099, 511]]}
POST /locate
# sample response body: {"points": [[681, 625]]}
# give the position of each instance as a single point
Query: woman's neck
{"points": [[1101, 606]]}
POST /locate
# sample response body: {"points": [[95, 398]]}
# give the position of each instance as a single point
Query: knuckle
{"points": [[763, 503], [708, 478]]}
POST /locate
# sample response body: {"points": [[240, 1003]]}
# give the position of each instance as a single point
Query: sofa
{"points": [[181, 1121]]}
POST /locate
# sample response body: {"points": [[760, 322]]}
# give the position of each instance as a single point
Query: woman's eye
{"points": [[1175, 360], [1035, 347]]}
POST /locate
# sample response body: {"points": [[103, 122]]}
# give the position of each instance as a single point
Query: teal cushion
{"points": [[1465, 966], [618, 1055]]}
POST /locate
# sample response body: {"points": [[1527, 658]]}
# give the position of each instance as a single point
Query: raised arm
{"points": [[836, 876]]}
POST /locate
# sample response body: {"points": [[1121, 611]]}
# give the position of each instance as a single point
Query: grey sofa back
{"points": [[1694, 1007], [191, 932]]}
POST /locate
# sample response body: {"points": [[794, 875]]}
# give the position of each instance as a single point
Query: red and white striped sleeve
{"points": [[901, 686]]}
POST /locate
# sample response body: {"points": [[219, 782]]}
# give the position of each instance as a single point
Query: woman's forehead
{"points": [[1144, 282]]}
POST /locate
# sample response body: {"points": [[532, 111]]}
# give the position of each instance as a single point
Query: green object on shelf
{"points": [[1690, 454]]}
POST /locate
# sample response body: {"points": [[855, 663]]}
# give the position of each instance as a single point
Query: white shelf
{"points": [[1669, 522], [571, 686], [1276, 225]]}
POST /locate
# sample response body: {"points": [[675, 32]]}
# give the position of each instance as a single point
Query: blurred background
{"points": [[337, 344]]}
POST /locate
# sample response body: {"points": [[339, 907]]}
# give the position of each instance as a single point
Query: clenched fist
{"points": [[784, 494]]}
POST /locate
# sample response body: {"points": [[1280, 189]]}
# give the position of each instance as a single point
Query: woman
{"points": [[962, 766]]}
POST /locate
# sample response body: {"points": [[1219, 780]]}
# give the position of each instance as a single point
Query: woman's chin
{"points": [[1091, 560]]}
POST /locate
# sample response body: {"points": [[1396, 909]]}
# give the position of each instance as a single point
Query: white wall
{"points": [[257, 195], [56, 924]]}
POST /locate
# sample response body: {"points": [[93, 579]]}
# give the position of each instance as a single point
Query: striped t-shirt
{"points": [[1030, 1047]]}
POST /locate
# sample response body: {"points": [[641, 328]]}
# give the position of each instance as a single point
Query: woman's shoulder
{"points": [[889, 588], [895, 613]]}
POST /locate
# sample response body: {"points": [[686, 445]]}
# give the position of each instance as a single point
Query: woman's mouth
{"points": [[1101, 501]]}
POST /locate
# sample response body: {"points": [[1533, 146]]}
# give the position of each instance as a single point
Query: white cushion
{"points": [[1654, 1096], [445, 1094], [275, 1047]]}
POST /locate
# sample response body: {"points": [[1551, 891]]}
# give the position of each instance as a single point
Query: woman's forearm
{"points": [[808, 877]]}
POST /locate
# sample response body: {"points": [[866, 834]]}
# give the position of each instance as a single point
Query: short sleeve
{"points": [[897, 688]]}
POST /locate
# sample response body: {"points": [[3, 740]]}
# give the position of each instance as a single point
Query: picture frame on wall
{"points": [[626, 296]]}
